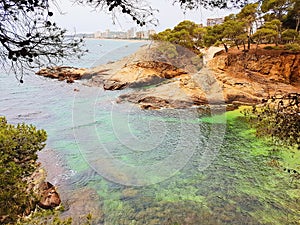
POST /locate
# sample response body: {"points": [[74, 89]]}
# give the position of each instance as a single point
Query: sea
{"points": [[125, 165]]}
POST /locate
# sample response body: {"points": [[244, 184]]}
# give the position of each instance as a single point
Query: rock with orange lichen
{"points": [[63, 73]]}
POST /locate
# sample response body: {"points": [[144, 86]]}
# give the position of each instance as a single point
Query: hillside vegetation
{"points": [[264, 22]]}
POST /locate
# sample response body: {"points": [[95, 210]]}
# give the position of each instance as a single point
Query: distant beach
{"points": [[119, 39]]}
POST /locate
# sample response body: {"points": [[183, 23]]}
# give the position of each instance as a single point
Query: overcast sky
{"points": [[81, 19]]}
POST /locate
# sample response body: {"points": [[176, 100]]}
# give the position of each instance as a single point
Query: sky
{"points": [[83, 19]]}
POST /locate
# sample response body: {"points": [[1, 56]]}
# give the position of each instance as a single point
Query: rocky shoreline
{"points": [[156, 81], [62, 73], [45, 194], [222, 79]]}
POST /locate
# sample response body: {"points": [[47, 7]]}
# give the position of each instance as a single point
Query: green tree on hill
{"points": [[186, 34], [215, 36], [276, 9], [249, 15], [289, 36], [234, 32], [269, 32], [292, 19]]}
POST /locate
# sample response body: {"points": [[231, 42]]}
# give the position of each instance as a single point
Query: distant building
{"points": [[145, 34], [140, 35], [130, 34], [214, 21], [98, 34]]}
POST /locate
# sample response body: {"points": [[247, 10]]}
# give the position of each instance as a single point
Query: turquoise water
{"points": [[150, 167]]}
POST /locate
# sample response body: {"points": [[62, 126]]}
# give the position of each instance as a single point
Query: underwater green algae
{"points": [[276, 194], [239, 187]]}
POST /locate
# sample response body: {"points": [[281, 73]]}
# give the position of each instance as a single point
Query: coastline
{"points": [[146, 99], [119, 39], [152, 86], [156, 81]]}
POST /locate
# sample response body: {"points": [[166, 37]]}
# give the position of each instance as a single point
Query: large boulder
{"points": [[49, 198], [141, 74]]}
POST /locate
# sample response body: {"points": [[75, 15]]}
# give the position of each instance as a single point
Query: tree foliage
{"points": [[279, 118], [267, 21], [222, 4], [292, 19], [18, 154], [186, 34], [30, 39], [269, 32], [276, 9], [141, 12]]}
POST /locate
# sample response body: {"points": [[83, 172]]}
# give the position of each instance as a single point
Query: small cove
{"points": [[236, 186]]}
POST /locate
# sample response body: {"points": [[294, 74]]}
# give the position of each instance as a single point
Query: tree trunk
{"points": [[226, 48], [298, 23], [249, 42], [237, 45]]}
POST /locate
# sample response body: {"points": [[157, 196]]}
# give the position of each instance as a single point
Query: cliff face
{"points": [[251, 76], [274, 65]]}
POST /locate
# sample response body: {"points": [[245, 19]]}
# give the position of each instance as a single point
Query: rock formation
{"points": [[49, 198], [63, 73], [233, 78], [243, 79], [249, 77], [142, 74], [45, 192], [274, 65]]}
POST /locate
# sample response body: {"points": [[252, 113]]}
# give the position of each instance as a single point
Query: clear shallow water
{"points": [[177, 167]]}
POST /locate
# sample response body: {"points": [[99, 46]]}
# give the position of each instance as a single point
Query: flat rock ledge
{"points": [[61, 73]]}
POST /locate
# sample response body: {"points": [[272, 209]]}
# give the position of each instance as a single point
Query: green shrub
{"points": [[18, 154], [46, 217], [292, 47], [289, 35], [269, 47], [278, 118], [168, 50]]}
